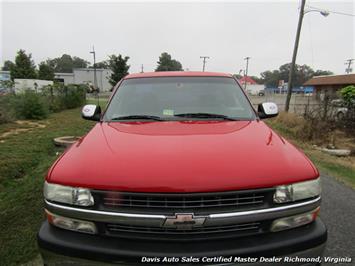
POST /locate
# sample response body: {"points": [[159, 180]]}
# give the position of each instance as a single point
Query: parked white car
{"points": [[339, 109]]}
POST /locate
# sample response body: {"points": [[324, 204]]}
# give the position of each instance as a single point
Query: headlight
{"points": [[297, 191], [68, 195]]}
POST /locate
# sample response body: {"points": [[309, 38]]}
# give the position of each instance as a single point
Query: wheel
{"points": [[340, 115]]}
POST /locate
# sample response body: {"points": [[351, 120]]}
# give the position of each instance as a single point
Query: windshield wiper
{"points": [[205, 115], [134, 117]]}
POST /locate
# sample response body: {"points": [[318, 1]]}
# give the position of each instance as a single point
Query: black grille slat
{"points": [[250, 227], [184, 200], [213, 202], [180, 206]]}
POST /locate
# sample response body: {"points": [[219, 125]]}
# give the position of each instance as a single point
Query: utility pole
{"points": [[204, 62], [142, 69], [246, 72], [293, 63], [349, 62], [95, 78]]}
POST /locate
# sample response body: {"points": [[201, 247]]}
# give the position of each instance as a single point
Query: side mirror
{"points": [[91, 112], [267, 110]]}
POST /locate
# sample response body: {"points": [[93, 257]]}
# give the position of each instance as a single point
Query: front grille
{"points": [[247, 227], [170, 203]]}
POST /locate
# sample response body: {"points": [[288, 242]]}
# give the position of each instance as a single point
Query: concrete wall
{"points": [[298, 104]]}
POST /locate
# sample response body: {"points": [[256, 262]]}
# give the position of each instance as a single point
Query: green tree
{"points": [[46, 71], [66, 63], [80, 63], [119, 67], [271, 78], [257, 79], [24, 67], [8, 65], [102, 64], [166, 63], [323, 73], [301, 75], [348, 94]]}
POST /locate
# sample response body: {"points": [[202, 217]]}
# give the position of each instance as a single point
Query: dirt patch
{"points": [[21, 126]]}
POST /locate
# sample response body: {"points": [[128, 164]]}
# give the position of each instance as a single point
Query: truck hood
{"points": [[181, 156]]}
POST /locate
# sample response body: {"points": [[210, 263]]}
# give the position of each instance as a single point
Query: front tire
{"points": [[340, 115]]}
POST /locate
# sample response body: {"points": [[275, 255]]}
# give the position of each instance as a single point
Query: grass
{"points": [[24, 161], [341, 168]]}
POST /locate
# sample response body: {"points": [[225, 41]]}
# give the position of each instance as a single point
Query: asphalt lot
{"points": [[338, 213]]}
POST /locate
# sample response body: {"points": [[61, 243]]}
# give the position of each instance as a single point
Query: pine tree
{"points": [[119, 68], [24, 67], [45, 72], [166, 63]]}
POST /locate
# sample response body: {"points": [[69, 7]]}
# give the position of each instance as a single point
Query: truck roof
{"points": [[177, 74]]}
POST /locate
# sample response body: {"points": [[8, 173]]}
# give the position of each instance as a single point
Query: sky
{"points": [[226, 31]]}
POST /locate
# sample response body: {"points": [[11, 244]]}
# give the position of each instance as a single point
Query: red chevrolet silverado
{"points": [[181, 168]]}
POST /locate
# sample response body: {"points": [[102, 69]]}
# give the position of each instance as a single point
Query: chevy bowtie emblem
{"points": [[184, 221]]}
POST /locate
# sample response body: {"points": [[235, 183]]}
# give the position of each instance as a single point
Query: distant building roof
{"points": [[89, 69], [63, 74], [247, 79], [331, 80]]}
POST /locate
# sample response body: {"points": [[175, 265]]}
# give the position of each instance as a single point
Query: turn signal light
{"points": [[71, 224], [294, 221]]}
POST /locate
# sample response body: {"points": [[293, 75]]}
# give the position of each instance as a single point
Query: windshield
{"points": [[179, 98]]}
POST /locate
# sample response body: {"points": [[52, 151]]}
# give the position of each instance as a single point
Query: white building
{"points": [[86, 76], [66, 78], [5, 75], [30, 84]]}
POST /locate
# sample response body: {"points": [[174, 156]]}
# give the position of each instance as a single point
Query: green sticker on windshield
{"points": [[168, 112]]}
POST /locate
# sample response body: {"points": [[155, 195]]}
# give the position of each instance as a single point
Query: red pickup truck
{"points": [[181, 168]]}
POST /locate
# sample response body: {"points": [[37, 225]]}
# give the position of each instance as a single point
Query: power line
{"points": [[204, 62]]}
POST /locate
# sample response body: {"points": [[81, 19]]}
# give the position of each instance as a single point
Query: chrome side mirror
{"points": [[91, 112], [267, 110]]}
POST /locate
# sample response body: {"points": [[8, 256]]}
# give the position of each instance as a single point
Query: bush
{"points": [[7, 113], [348, 94], [30, 105], [74, 96], [62, 97]]}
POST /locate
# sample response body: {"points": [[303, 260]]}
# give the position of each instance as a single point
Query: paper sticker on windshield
{"points": [[168, 112], [179, 85]]}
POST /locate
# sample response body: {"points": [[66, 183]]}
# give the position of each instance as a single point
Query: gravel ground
{"points": [[338, 213]]}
